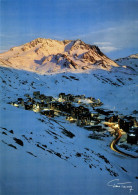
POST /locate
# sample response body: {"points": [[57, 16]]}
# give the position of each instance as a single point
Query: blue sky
{"points": [[110, 24]]}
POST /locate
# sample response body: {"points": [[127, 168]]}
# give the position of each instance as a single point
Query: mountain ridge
{"points": [[48, 56]]}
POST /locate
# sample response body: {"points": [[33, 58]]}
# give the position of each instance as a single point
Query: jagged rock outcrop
{"points": [[89, 57], [47, 55]]}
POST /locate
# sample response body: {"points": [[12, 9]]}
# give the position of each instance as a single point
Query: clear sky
{"points": [[110, 24]]}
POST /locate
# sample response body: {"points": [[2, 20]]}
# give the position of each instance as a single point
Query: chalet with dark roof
{"points": [[132, 135], [125, 124], [62, 95], [49, 113], [36, 94], [111, 118]]}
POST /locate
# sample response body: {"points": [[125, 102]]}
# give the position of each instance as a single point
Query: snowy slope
{"points": [[47, 160], [131, 62]]}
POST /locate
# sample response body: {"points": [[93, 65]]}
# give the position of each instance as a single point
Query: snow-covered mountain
{"points": [[37, 154], [130, 62], [52, 56]]}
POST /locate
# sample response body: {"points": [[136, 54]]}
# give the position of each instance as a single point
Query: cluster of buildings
{"points": [[63, 105], [37, 103], [75, 110]]}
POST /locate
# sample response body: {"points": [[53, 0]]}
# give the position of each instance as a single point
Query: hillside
{"points": [[130, 62], [52, 56]]}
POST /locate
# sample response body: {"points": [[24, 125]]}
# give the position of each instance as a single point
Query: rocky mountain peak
{"points": [[46, 55]]}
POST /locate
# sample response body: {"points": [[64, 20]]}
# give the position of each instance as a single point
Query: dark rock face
{"points": [[12, 146], [89, 57], [68, 63], [96, 49], [18, 141], [68, 133], [78, 154], [11, 131]]}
